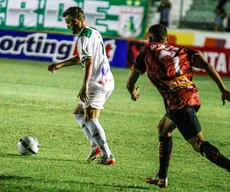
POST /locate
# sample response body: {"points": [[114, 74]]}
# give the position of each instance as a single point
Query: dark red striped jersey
{"points": [[169, 68]]}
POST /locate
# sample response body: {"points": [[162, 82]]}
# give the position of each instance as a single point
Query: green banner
{"points": [[113, 18]]}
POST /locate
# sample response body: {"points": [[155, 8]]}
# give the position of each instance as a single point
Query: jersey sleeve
{"points": [[139, 64], [84, 48], [190, 52]]}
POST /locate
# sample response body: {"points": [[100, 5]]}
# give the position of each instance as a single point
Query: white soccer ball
{"points": [[28, 145]]}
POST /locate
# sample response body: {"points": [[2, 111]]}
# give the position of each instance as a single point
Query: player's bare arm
{"points": [[131, 85], [199, 62], [72, 61], [88, 72]]}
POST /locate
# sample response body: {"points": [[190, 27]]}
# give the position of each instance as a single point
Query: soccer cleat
{"points": [[107, 161], [93, 154], [158, 181]]}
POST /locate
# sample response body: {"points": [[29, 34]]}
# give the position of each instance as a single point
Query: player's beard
{"points": [[74, 29]]}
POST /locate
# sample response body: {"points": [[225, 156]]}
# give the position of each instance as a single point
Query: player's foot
{"points": [[107, 161], [93, 154], [158, 181]]}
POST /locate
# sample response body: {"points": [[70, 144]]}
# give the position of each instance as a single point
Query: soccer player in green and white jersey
{"points": [[97, 86]]}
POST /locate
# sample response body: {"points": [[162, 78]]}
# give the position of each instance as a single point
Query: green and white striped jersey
{"points": [[90, 44]]}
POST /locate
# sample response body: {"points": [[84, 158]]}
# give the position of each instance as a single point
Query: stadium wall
{"points": [[28, 30], [54, 48]]}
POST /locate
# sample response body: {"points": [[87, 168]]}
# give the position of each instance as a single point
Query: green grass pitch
{"points": [[35, 102]]}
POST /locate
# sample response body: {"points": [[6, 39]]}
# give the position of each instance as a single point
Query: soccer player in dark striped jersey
{"points": [[169, 68]]}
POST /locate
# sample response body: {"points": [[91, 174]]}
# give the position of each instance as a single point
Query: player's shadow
{"points": [[21, 178], [39, 158], [9, 155], [12, 177], [71, 182]]}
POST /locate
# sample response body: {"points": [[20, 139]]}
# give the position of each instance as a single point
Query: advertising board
{"points": [[113, 18], [53, 47]]}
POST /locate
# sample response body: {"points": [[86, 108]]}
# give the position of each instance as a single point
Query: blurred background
{"points": [[35, 29]]}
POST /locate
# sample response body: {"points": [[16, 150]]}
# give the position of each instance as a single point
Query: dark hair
{"points": [[75, 12], [157, 33]]}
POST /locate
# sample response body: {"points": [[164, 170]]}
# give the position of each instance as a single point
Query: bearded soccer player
{"points": [[169, 69], [97, 85]]}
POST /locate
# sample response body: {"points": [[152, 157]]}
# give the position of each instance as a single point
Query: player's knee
{"points": [[79, 109], [163, 132], [87, 118], [165, 127], [195, 143], [196, 147], [160, 130]]}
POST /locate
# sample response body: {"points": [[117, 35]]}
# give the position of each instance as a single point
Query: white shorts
{"points": [[97, 95]]}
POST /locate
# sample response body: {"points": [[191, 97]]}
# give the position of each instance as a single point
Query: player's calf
{"points": [[213, 154]]}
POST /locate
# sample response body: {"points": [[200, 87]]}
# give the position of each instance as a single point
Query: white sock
{"points": [[99, 137], [80, 119]]}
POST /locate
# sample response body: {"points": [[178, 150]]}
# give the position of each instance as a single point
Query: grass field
{"points": [[35, 102]]}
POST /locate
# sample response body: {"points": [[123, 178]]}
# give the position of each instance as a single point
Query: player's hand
{"points": [[135, 94], [53, 67], [83, 93], [225, 96]]}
